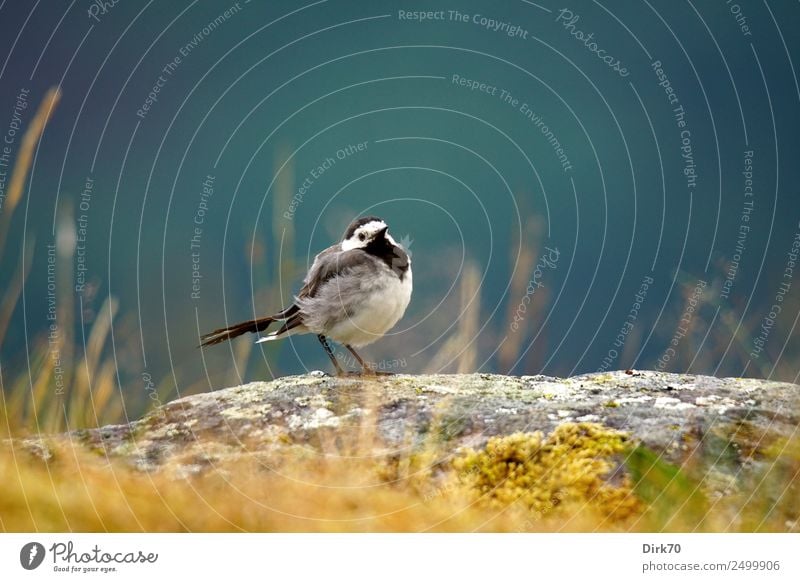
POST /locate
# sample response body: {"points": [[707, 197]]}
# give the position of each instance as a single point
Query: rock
{"points": [[669, 413]]}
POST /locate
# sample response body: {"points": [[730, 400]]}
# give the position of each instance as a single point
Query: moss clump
{"points": [[568, 472], [748, 440]]}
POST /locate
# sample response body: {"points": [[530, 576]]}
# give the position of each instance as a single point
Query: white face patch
{"points": [[363, 235]]}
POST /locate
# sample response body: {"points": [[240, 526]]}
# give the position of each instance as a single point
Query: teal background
{"points": [[279, 87]]}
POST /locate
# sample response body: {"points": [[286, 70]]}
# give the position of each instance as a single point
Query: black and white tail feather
{"points": [[288, 316]]}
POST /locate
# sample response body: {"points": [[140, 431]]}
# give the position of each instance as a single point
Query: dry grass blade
{"points": [[23, 163], [461, 347], [104, 406], [14, 407], [470, 319], [42, 401], [528, 247], [82, 393]]}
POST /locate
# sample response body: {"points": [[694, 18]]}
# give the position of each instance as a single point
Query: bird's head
{"points": [[366, 231]]}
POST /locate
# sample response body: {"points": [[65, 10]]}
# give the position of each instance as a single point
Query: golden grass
{"points": [[297, 490], [581, 477], [570, 480]]}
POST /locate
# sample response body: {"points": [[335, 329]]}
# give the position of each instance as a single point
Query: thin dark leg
{"points": [[366, 369], [324, 341]]}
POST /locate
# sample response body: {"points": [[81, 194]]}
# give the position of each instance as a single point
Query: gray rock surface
{"points": [[670, 413]]}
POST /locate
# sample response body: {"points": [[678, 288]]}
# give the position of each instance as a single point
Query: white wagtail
{"points": [[355, 292]]}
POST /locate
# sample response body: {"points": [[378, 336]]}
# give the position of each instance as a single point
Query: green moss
{"points": [[749, 441], [673, 496], [561, 474], [767, 499], [709, 491], [452, 427]]}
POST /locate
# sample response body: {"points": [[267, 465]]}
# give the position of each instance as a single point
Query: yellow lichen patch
{"points": [[556, 477]]}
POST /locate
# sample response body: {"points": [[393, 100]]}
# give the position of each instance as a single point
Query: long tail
{"points": [[224, 334]]}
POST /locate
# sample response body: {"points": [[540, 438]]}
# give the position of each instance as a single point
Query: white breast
{"points": [[381, 310]]}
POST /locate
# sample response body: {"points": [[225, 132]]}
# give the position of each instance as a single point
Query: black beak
{"points": [[382, 232]]}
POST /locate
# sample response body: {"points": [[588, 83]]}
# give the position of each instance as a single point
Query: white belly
{"points": [[380, 311]]}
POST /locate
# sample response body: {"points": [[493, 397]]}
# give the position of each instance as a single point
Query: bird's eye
{"points": [[362, 236]]}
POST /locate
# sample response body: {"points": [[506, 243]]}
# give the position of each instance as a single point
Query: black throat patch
{"points": [[394, 256]]}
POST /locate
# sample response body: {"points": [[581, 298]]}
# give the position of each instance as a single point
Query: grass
{"points": [[61, 486], [582, 477]]}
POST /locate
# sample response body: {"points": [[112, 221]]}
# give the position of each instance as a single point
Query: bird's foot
{"points": [[364, 373], [371, 372]]}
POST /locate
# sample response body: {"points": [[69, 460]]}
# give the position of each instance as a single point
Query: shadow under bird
{"points": [[355, 291]]}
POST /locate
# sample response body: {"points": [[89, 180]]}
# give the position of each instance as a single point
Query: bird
{"points": [[355, 291]]}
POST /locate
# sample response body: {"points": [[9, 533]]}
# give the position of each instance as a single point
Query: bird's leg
{"points": [[324, 341], [366, 369]]}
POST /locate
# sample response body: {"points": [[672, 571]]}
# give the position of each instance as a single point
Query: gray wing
{"points": [[335, 286], [331, 263], [327, 265]]}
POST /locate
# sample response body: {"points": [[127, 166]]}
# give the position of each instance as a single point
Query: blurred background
{"points": [[581, 189]]}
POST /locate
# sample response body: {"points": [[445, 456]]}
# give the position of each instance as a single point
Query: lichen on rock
{"points": [[572, 469], [668, 413]]}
